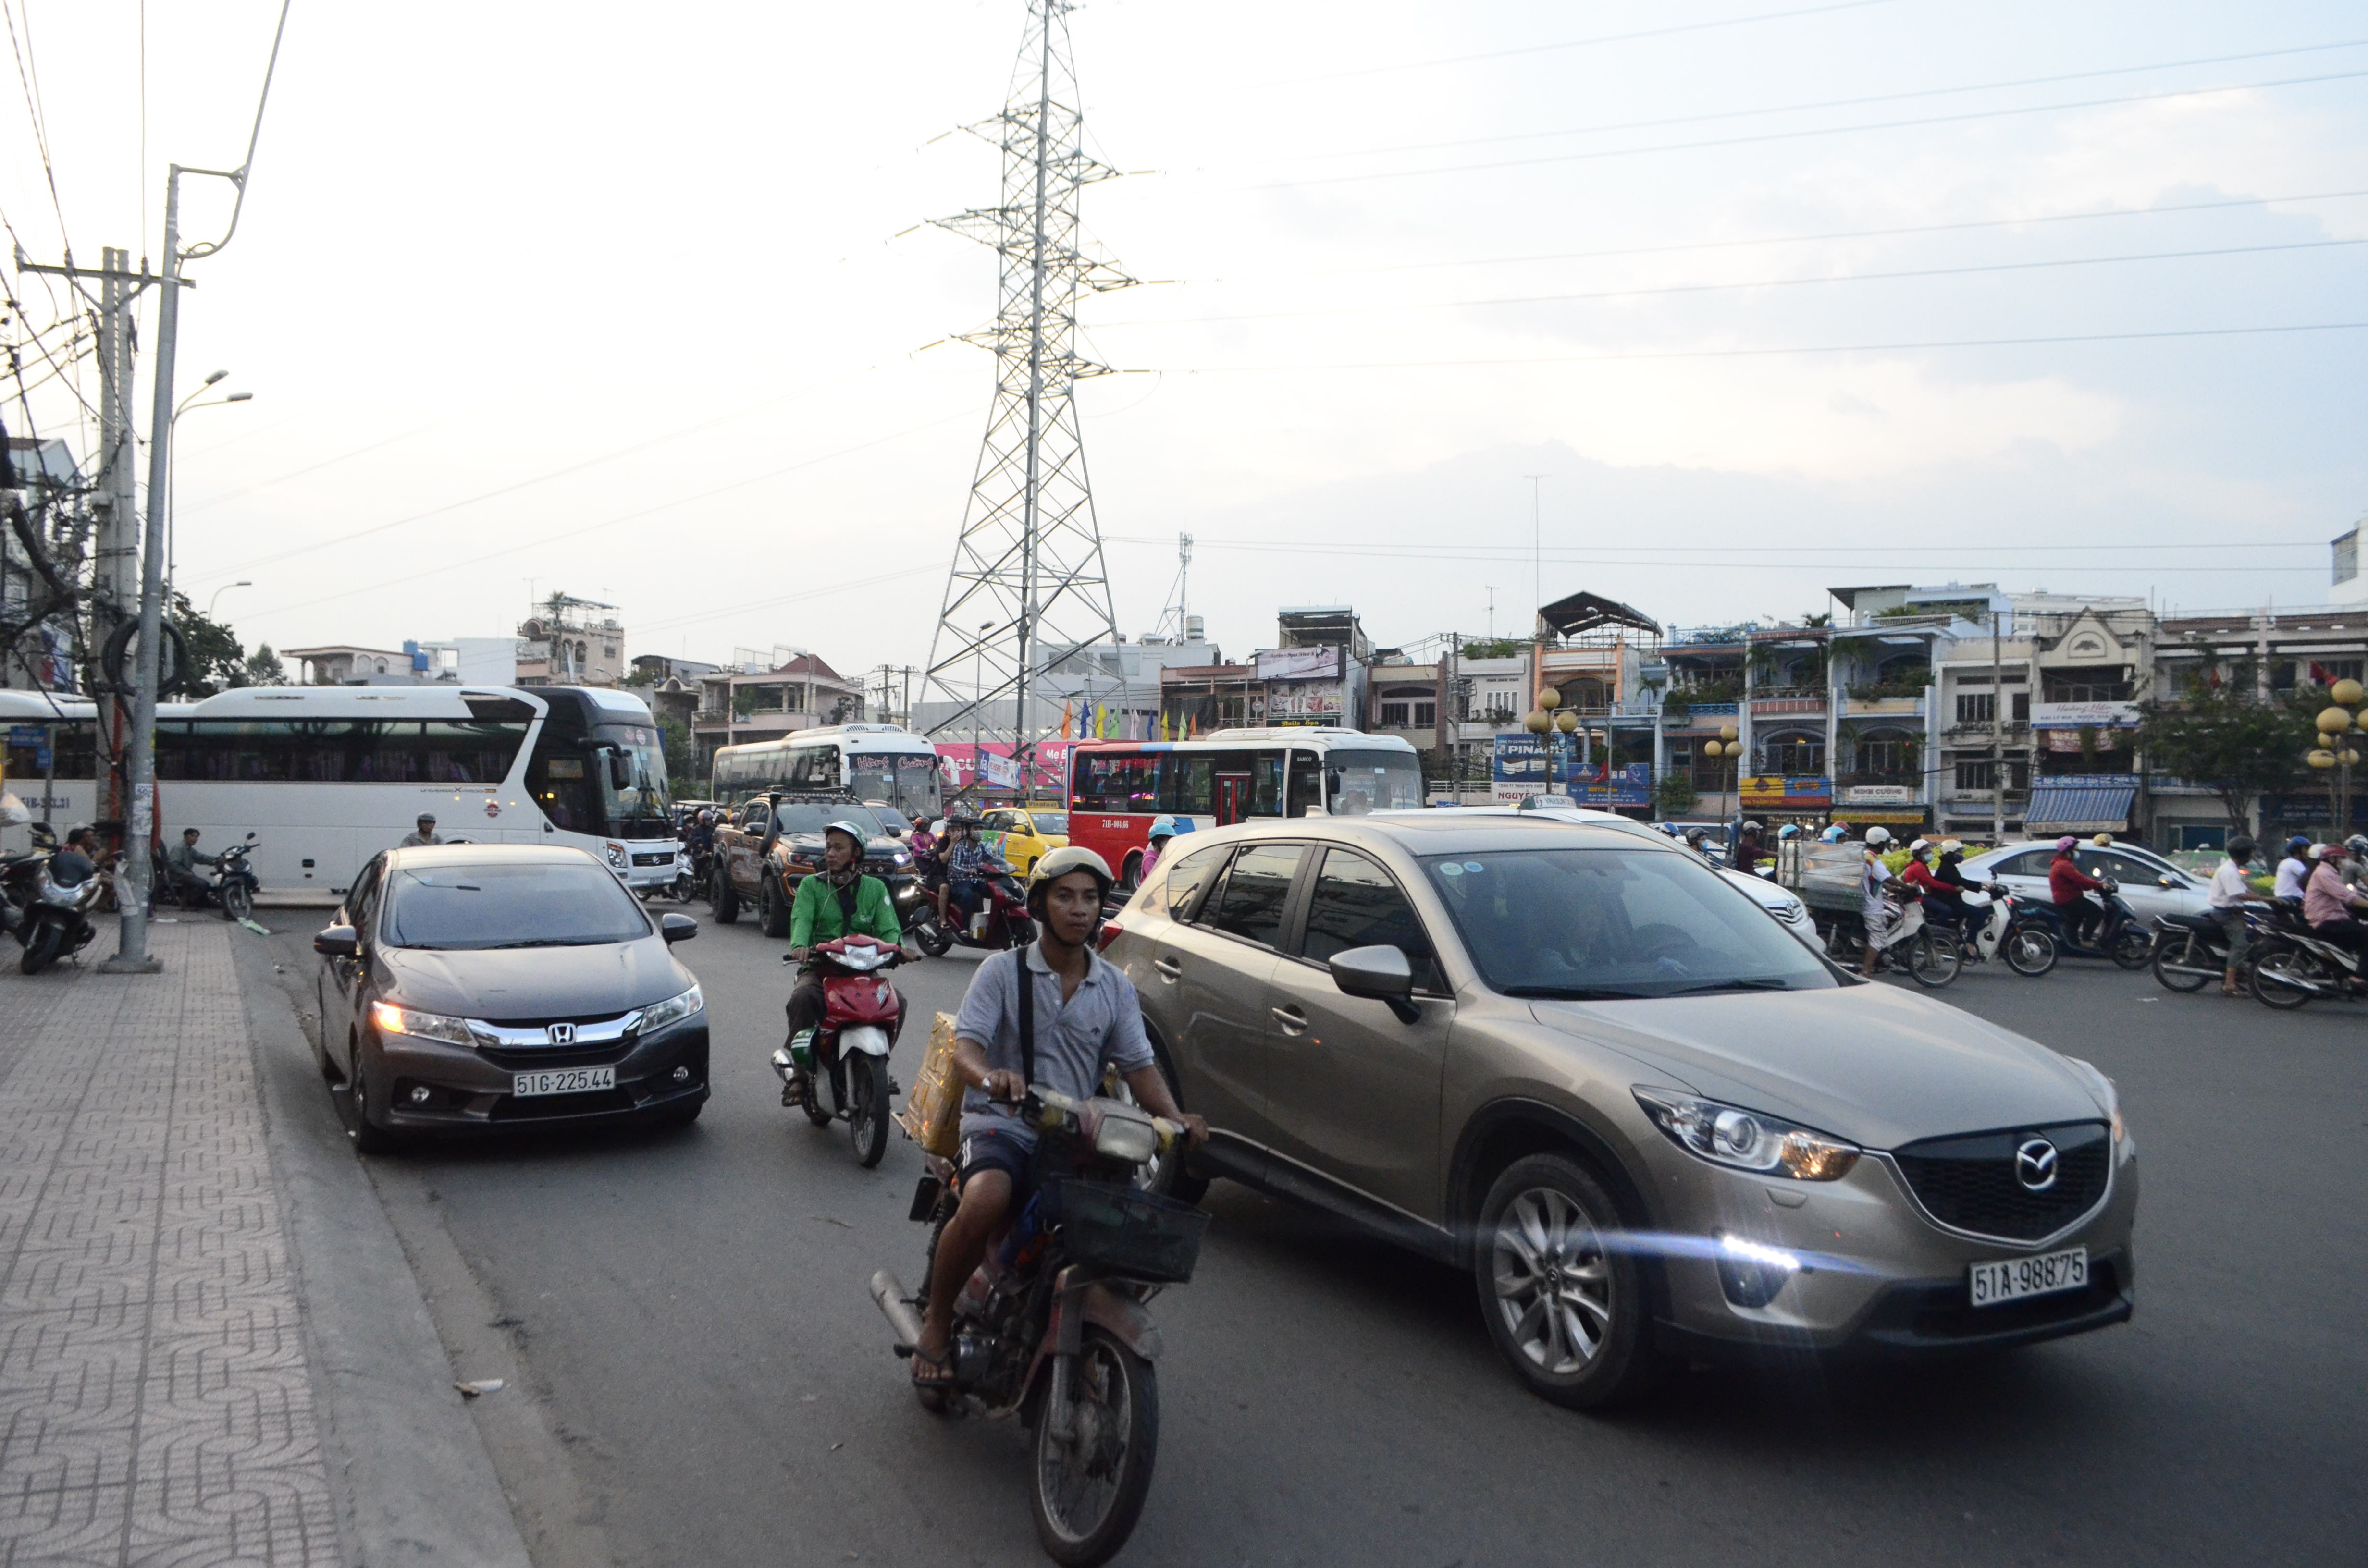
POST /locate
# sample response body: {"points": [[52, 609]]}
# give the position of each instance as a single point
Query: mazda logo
{"points": [[2034, 1164], [565, 1034]]}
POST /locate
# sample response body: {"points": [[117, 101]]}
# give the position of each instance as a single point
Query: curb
{"points": [[414, 1483]]}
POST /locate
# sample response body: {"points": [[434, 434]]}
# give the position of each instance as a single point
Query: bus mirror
{"points": [[621, 771]]}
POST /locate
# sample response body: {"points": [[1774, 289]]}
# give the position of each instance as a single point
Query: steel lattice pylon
{"points": [[1028, 580]]}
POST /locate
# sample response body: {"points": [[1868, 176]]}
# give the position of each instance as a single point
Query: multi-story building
{"points": [[571, 641], [741, 704], [1406, 698], [1701, 695]]}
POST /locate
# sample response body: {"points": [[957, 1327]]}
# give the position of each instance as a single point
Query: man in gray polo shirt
{"points": [[1086, 1014]]}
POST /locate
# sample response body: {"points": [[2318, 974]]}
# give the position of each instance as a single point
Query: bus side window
{"points": [[1266, 784], [1188, 784], [1306, 783]]}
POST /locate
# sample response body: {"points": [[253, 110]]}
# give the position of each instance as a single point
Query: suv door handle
{"points": [[1292, 1020], [1169, 968]]}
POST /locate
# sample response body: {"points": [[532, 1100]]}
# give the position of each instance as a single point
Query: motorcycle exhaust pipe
{"points": [[888, 1295]]}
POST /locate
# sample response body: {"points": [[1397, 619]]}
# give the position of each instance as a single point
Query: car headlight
{"points": [[1747, 1139], [2107, 1096], [902, 859], [617, 854], [673, 1010], [391, 1019]]}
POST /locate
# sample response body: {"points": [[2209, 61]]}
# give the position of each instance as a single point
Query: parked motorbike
{"points": [[1052, 1327], [1001, 920], [2303, 966], [849, 1052], [230, 886], [1928, 952], [2191, 950], [2119, 935], [54, 920]]}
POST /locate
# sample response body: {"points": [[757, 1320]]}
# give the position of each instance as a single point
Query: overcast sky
{"points": [[630, 302]]}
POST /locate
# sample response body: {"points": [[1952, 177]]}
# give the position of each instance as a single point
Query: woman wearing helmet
{"points": [[837, 901], [1874, 885], [1747, 852], [1080, 1014], [2069, 886], [1163, 828], [1941, 900]]}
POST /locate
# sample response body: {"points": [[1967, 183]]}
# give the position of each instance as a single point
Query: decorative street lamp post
{"points": [[1728, 749], [2336, 753]]}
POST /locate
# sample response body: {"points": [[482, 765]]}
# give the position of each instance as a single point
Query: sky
{"points": [[1767, 297]]}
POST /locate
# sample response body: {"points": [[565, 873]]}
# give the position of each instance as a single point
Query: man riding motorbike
{"points": [[2293, 869], [968, 865], [1747, 850], [837, 901], [1085, 1014], [2069, 886]]}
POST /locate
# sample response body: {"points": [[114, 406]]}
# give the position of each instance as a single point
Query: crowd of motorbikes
{"points": [[48, 902]]}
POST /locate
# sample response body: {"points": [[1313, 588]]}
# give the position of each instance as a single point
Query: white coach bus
{"points": [[878, 762], [326, 777]]}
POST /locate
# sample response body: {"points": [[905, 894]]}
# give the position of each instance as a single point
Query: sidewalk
{"points": [[212, 1348], [154, 1400]]}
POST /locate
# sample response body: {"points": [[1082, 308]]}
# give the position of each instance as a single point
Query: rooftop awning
{"points": [[2078, 805], [1585, 612]]}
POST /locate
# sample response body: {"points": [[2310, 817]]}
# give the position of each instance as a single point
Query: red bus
{"points": [[1230, 776]]}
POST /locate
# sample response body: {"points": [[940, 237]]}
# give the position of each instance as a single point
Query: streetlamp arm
{"points": [[238, 176]]}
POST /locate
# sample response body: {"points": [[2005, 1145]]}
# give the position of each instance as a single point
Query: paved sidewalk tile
{"points": [[156, 1405]]}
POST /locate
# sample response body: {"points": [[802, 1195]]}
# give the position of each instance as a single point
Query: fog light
{"points": [[421, 1094], [682, 1074], [1751, 1274]]}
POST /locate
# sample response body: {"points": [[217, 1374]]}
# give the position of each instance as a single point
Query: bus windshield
{"points": [[907, 781], [1363, 781], [643, 808]]}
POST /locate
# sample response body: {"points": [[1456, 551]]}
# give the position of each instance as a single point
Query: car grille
{"points": [[1971, 1184], [654, 858]]}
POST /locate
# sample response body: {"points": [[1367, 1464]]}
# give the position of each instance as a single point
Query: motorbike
{"points": [[1929, 952], [53, 921], [2119, 935], [2191, 950], [1052, 1327], [2303, 966], [230, 887], [848, 1053], [1988, 930], [682, 887], [1001, 921]]}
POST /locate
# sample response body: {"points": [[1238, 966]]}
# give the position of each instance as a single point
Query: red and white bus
{"points": [[1230, 776]]}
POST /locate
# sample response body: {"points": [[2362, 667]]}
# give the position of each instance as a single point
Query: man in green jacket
{"points": [[837, 901]]}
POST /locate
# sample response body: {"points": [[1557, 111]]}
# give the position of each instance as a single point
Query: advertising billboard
{"points": [[1520, 772], [1773, 793]]}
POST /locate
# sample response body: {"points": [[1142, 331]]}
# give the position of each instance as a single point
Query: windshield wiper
{"points": [[1572, 992], [1746, 983], [549, 942]]}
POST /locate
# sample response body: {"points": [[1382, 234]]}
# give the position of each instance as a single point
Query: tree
{"points": [[2219, 734], [1676, 793], [676, 737], [263, 668], [216, 660]]}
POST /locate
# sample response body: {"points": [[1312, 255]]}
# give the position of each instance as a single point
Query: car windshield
{"points": [[1614, 923], [532, 904], [1054, 825], [814, 819], [1365, 781]]}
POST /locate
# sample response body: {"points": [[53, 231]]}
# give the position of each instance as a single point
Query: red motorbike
{"points": [[1001, 920], [848, 1054]]}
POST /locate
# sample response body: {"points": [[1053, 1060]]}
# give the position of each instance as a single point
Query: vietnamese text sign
{"points": [[1298, 663], [1878, 795], [2083, 715], [1520, 772], [1772, 790]]}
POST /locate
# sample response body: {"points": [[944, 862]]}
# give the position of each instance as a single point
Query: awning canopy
{"points": [[1585, 612], [2078, 805]]}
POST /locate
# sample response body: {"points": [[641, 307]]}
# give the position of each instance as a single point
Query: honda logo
{"points": [[565, 1034], [2035, 1164]]}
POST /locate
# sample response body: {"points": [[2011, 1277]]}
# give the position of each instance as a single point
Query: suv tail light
{"points": [[1111, 931]]}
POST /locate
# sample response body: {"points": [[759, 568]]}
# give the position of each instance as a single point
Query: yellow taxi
{"points": [[1020, 836]]}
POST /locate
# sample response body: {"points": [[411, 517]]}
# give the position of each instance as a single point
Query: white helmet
{"points": [[1920, 848], [1878, 836]]}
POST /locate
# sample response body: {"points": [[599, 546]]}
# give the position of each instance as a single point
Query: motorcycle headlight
{"points": [[1125, 1138], [673, 1010], [1747, 1139], [391, 1019]]}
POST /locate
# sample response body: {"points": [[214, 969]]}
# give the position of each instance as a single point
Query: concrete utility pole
{"points": [[1998, 738], [113, 568]]}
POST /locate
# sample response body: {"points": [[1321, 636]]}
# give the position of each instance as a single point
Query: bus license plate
{"points": [[564, 1081], [2013, 1278]]}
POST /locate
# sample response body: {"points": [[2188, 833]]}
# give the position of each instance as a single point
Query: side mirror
{"points": [[2166, 880], [678, 928], [250, 835], [337, 942], [1379, 974], [621, 771]]}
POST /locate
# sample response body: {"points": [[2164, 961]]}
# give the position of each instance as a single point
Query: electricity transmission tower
{"points": [[1176, 619], [1028, 584]]}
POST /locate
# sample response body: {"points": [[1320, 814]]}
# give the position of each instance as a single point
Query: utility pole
{"points": [[116, 559], [1997, 737], [1537, 543]]}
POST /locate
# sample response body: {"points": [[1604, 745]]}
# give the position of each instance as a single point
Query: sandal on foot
{"points": [[939, 1381]]}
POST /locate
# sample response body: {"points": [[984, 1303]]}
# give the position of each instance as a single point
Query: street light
{"points": [[1728, 748], [226, 587], [2336, 754], [172, 473]]}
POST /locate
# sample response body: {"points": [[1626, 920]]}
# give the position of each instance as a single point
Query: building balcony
{"points": [[1776, 700], [1876, 705], [762, 725]]}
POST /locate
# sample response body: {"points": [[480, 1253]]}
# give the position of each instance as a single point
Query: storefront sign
{"points": [[1298, 663], [2083, 715], [1520, 772], [1776, 793], [1856, 817], [1878, 795], [1299, 701]]}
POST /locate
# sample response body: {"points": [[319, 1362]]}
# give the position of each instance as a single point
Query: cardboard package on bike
{"points": [[932, 1113]]}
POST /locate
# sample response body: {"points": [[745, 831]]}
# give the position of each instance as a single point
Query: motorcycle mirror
{"points": [[250, 835]]}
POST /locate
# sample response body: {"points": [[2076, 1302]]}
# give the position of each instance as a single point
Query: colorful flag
{"points": [[1066, 719]]}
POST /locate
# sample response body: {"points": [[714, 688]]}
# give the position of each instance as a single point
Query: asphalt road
{"points": [[690, 1309]]}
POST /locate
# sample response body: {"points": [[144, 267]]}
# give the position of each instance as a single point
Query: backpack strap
{"points": [[1027, 1016]]}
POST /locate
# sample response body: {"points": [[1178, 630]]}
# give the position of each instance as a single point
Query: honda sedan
{"points": [[469, 987], [1655, 1128]]}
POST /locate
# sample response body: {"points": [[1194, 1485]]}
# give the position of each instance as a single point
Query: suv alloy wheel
{"points": [[1563, 1300]]}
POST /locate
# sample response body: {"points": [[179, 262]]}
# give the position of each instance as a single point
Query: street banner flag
{"points": [[1066, 718]]}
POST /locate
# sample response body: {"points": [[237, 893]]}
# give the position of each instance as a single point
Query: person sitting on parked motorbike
{"points": [[837, 901], [2293, 870], [181, 863], [2069, 886], [1747, 850], [968, 865], [1163, 830], [75, 862], [2328, 903], [2231, 891], [1085, 1015]]}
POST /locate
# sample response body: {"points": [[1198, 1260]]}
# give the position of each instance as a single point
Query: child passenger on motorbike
{"points": [[837, 901], [1085, 1014]]}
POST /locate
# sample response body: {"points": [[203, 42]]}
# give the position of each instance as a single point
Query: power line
{"points": [[1785, 239], [1823, 103], [1691, 559], [1595, 552], [27, 79], [1753, 353], [1796, 135], [1586, 42], [1764, 284]]}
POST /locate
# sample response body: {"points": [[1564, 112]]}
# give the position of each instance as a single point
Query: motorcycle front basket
{"points": [[1126, 1230]]}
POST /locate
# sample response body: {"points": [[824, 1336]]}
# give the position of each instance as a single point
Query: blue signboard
{"points": [[27, 735], [1520, 768]]}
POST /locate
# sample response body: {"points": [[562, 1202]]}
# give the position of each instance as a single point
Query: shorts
{"points": [[995, 1150]]}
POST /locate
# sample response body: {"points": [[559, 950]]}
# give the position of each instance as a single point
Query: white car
{"points": [[2150, 885], [1780, 904]]}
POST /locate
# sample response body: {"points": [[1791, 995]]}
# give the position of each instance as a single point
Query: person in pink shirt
{"points": [[2328, 901]]}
